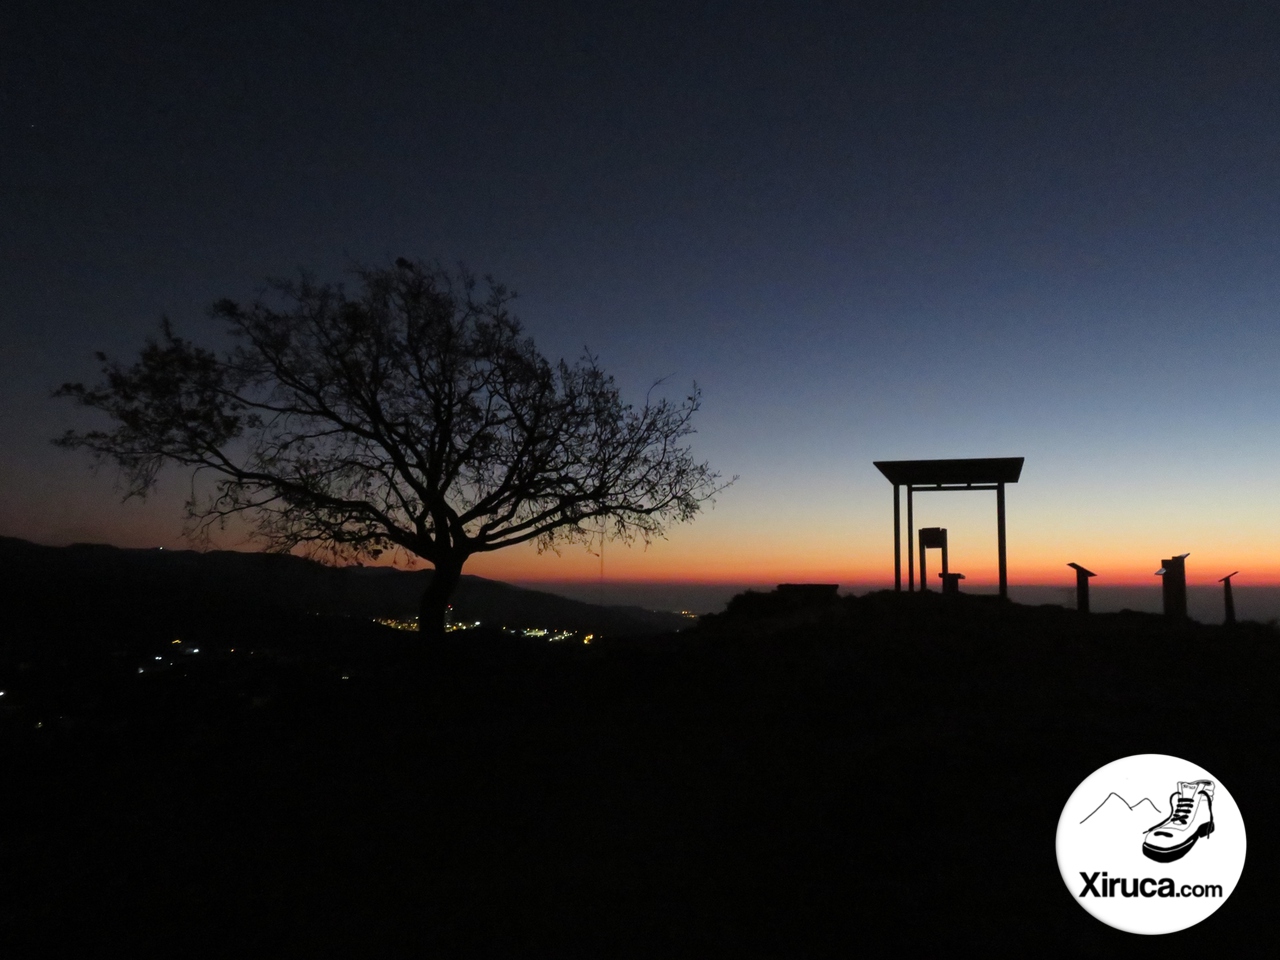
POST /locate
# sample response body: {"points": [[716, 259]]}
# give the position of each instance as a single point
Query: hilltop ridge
{"points": [[97, 583]]}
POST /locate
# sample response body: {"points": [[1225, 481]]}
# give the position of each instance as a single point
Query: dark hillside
{"points": [[98, 587], [848, 779]]}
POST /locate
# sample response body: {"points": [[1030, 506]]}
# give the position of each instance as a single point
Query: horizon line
{"points": [[981, 583]]}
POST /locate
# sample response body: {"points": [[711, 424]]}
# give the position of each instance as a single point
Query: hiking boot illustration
{"points": [[1191, 819]]}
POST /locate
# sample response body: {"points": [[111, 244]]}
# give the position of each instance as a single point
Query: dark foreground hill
{"points": [[96, 586], [846, 780]]}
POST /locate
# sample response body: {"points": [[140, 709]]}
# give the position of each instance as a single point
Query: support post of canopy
{"points": [[1004, 570], [897, 542], [911, 546]]}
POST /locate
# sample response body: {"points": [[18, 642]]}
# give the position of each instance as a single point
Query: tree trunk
{"points": [[435, 599]]}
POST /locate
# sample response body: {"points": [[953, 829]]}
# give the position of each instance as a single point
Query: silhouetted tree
{"points": [[414, 415]]}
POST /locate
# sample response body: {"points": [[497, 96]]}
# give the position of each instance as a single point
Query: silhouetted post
{"points": [[1227, 598], [1082, 586], [1004, 570], [932, 537], [897, 542], [911, 528], [951, 582], [1174, 572]]}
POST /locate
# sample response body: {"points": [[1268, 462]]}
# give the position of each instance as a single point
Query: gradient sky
{"points": [[869, 232]]}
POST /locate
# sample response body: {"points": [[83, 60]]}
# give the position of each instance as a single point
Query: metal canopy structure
{"points": [[989, 473]]}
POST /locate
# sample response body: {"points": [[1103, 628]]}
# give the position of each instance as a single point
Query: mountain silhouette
{"points": [[87, 584]]}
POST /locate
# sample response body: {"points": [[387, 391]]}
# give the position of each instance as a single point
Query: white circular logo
{"points": [[1151, 844]]}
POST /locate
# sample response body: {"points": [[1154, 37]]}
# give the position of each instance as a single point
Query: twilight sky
{"points": [[868, 231]]}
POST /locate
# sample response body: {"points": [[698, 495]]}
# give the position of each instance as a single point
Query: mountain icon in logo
{"points": [[1115, 810]]}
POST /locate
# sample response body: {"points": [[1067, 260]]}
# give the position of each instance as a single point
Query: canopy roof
{"points": [[929, 473]]}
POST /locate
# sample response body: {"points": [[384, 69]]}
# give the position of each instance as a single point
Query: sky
{"points": [[867, 231]]}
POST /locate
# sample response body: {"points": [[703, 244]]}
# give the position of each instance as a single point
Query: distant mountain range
{"points": [[87, 583]]}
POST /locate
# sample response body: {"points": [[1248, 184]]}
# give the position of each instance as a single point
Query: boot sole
{"points": [[1169, 854]]}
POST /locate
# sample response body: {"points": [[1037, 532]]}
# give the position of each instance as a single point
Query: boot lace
{"points": [[1183, 810], [1181, 813]]}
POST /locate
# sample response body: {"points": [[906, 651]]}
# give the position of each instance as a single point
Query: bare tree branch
{"points": [[414, 414]]}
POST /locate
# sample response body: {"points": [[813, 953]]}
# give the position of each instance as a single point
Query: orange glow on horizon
{"points": [[1120, 567], [814, 542], [715, 563]]}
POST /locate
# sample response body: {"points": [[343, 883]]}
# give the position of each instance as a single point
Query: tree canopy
{"points": [[412, 414]]}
